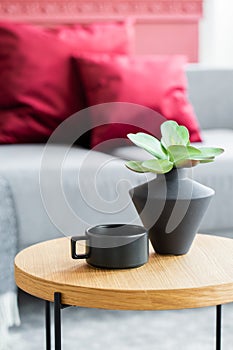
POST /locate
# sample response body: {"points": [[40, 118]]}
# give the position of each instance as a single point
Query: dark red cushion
{"points": [[38, 88], [157, 82]]}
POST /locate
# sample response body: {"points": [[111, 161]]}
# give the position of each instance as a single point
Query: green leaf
{"points": [[136, 166], [158, 166], [174, 134], [180, 153], [207, 160], [184, 134], [209, 152], [148, 143]]}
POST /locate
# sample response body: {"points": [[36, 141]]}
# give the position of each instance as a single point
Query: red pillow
{"points": [[38, 88], [157, 82], [115, 37]]}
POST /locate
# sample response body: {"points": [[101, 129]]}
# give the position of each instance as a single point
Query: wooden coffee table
{"points": [[203, 277]]}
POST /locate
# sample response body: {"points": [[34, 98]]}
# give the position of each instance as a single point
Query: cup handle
{"points": [[73, 241]]}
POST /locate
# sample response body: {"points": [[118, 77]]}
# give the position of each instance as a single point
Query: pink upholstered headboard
{"points": [[162, 26]]}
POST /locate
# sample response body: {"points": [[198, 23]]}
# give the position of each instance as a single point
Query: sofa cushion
{"points": [[38, 87], [94, 188], [157, 82]]}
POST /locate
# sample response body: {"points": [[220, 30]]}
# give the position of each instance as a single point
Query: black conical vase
{"points": [[171, 207]]}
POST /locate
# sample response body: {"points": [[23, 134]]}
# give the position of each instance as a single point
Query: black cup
{"points": [[114, 246]]}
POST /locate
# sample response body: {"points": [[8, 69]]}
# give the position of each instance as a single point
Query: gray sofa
{"points": [[95, 185]]}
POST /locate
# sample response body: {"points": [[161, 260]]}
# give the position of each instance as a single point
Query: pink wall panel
{"points": [[168, 38], [162, 26]]}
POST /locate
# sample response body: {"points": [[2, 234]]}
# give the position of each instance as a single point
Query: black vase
{"points": [[171, 207]]}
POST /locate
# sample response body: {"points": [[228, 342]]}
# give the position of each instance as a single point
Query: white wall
{"points": [[216, 33]]}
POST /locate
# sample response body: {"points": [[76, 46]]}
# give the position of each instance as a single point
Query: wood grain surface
{"points": [[203, 277]]}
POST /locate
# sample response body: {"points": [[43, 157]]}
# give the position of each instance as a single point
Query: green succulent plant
{"points": [[172, 151]]}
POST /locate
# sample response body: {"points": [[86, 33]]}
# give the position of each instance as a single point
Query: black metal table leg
{"points": [[218, 326], [48, 325], [57, 320], [57, 323]]}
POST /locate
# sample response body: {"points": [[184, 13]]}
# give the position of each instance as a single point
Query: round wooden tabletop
{"points": [[203, 277]]}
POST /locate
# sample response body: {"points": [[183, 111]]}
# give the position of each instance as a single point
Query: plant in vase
{"points": [[171, 206]]}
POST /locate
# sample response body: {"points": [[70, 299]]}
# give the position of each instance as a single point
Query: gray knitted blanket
{"points": [[8, 247]]}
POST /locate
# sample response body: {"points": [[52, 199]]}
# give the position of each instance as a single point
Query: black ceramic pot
{"points": [[171, 207]]}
